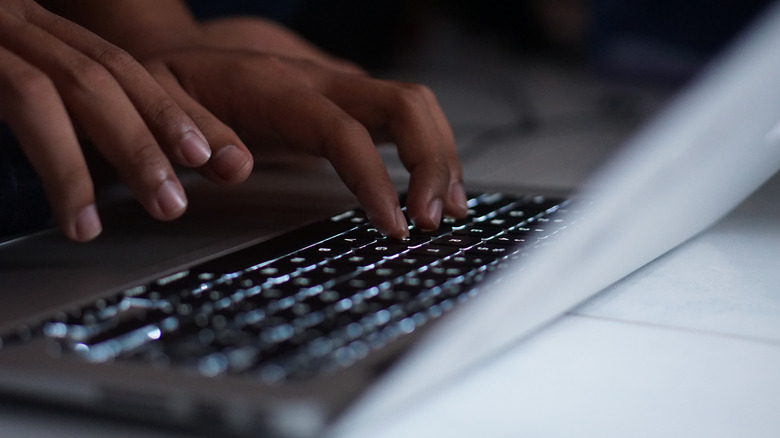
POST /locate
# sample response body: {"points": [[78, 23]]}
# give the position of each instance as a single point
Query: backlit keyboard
{"points": [[312, 300]]}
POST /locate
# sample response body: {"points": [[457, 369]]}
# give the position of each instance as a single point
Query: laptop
{"points": [[274, 309]]}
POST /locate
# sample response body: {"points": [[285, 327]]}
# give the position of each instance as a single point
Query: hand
{"points": [[57, 78], [326, 91], [270, 97], [325, 112]]}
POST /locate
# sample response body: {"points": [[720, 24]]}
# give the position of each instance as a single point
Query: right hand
{"points": [[57, 78], [313, 108]]}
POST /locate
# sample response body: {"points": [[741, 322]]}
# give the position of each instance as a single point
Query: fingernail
{"points": [[88, 224], [401, 223], [434, 213], [228, 161], [171, 199], [397, 229], [458, 196], [195, 149]]}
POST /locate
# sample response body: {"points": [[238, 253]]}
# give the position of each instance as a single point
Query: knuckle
{"points": [[114, 58], [276, 63], [347, 127], [433, 165], [345, 132], [282, 69], [212, 127], [419, 89], [260, 65], [411, 98], [31, 84], [67, 181], [73, 181], [160, 111], [278, 68], [19, 8], [89, 75], [146, 159]]}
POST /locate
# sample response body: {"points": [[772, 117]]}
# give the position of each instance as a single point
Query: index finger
{"points": [[426, 146], [277, 103], [347, 144]]}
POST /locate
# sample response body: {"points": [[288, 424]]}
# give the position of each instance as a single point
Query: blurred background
{"points": [[662, 38], [530, 80]]}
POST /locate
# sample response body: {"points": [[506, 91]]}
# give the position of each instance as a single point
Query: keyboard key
{"points": [[327, 249], [415, 239], [313, 300], [489, 205], [469, 261], [356, 261], [267, 274], [386, 249], [458, 241], [324, 275], [489, 250], [439, 251], [409, 262], [482, 231], [448, 225], [509, 219], [509, 239], [354, 239]]}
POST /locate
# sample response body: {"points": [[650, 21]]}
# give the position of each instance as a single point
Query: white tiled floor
{"points": [[724, 281], [587, 377]]}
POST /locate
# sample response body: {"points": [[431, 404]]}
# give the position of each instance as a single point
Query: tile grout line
{"points": [[677, 328]]}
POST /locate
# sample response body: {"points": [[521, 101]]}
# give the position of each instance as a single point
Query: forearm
{"points": [[142, 27]]}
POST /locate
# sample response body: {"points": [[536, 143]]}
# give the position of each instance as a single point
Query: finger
{"points": [[102, 109], [41, 124], [333, 134], [425, 142], [455, 202], [231, 162], [175, 131], [275, 104]]}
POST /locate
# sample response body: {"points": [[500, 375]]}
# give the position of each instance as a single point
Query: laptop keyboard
{"points": [[310, 301]]}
